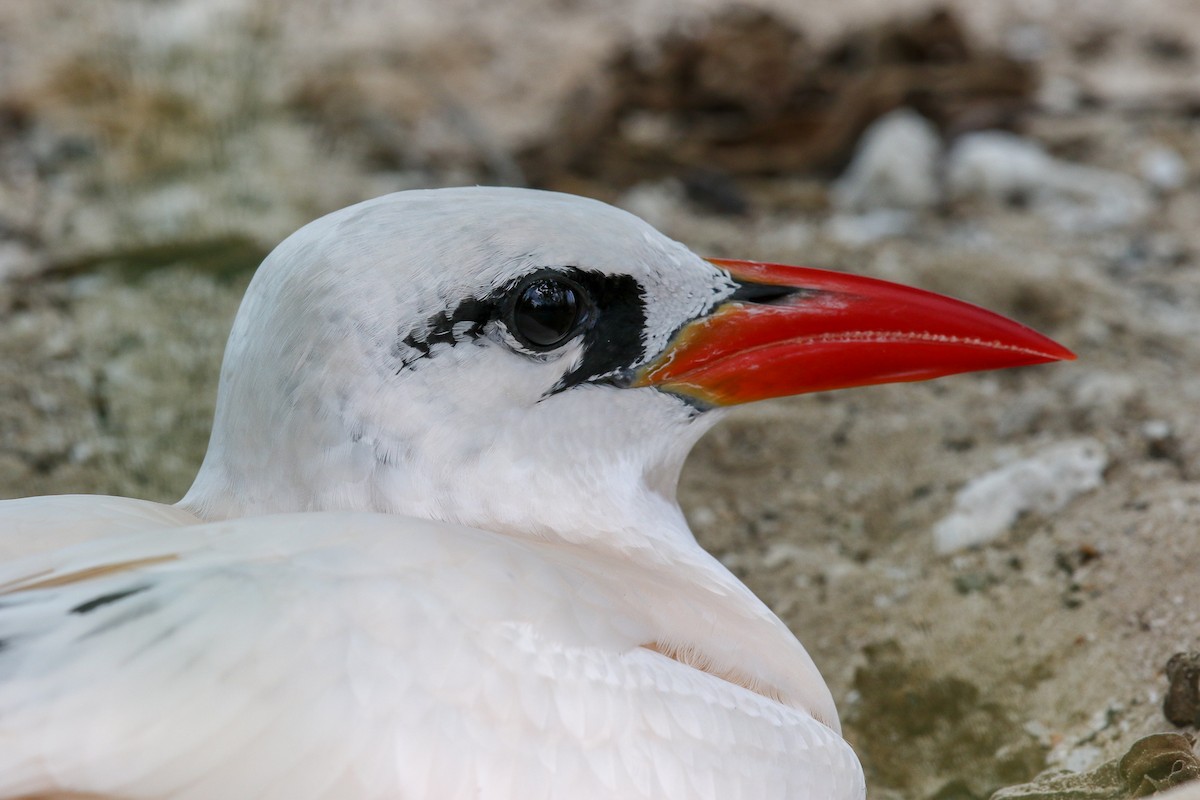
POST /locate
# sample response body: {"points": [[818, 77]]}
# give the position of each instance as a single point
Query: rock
{"points": [[859, 230], [18, 261], [1181, 705], [998, 166], [1044, 483], [895, 166], [1027, 42], [1003, 167], [1163, 168], [657, 202], [1060, 94], [1153, 764]]}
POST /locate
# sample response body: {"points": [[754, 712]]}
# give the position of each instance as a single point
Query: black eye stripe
{"points": [[612, 321], [613, 339], [464, 322]]}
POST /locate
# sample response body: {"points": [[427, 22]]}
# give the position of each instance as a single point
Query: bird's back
{"points": [[31, 525], [358, 655]]}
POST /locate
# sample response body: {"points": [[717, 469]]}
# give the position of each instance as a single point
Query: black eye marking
{"points": [[545, 310], [105, 599], [611, 318], [613, 340], [445, 327]]}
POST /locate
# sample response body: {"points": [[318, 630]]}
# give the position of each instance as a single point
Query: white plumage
{"points": [[434, 550], [342, 655]]}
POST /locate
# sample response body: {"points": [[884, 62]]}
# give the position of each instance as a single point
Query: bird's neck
{"points": [[626, 516], [577, 493]]}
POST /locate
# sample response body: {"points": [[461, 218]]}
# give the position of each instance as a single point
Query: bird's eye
{"points": [[546, 311]]}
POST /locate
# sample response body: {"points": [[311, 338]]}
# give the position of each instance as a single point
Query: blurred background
{"points": [[991, 571]]}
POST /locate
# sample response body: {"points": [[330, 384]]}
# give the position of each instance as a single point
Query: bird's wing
{"points": [[370, 656], [32, 525]]}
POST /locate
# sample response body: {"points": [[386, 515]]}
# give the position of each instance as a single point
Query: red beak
{"points": [[791, 330]]}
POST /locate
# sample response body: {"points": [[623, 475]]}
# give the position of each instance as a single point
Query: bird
{"points": [[434, 548]]}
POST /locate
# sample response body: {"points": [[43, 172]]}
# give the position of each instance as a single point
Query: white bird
{"points": [[434, 549]]}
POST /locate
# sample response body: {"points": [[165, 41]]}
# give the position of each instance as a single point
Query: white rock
{"points": [[996, 166], [657, 202], [1082, 758], [1156, 430], [1043, 483], [1027, 42], [18, 261], [1059, 94], [1163, 168], [896, 165], [999, 166], [789, 237], [858, 230]]}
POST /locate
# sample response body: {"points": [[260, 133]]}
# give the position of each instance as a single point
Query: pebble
{"points": [[895, 166], [859, 230], [1163, 168], [1006, 168], [1181, 704], [1044, 483]]}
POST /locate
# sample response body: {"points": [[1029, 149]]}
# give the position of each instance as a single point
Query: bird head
{"points": [[537, 362]]}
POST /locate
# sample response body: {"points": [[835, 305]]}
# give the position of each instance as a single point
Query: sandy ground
{"points": [[129, 221]]}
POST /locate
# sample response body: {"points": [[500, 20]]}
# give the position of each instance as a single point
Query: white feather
{"points": [[341, 655]]}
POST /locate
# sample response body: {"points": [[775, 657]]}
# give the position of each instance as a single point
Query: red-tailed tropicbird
{"points": [[441, 555]]}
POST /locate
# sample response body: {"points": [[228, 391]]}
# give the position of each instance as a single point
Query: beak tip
{"points": [[1052, 351]]}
